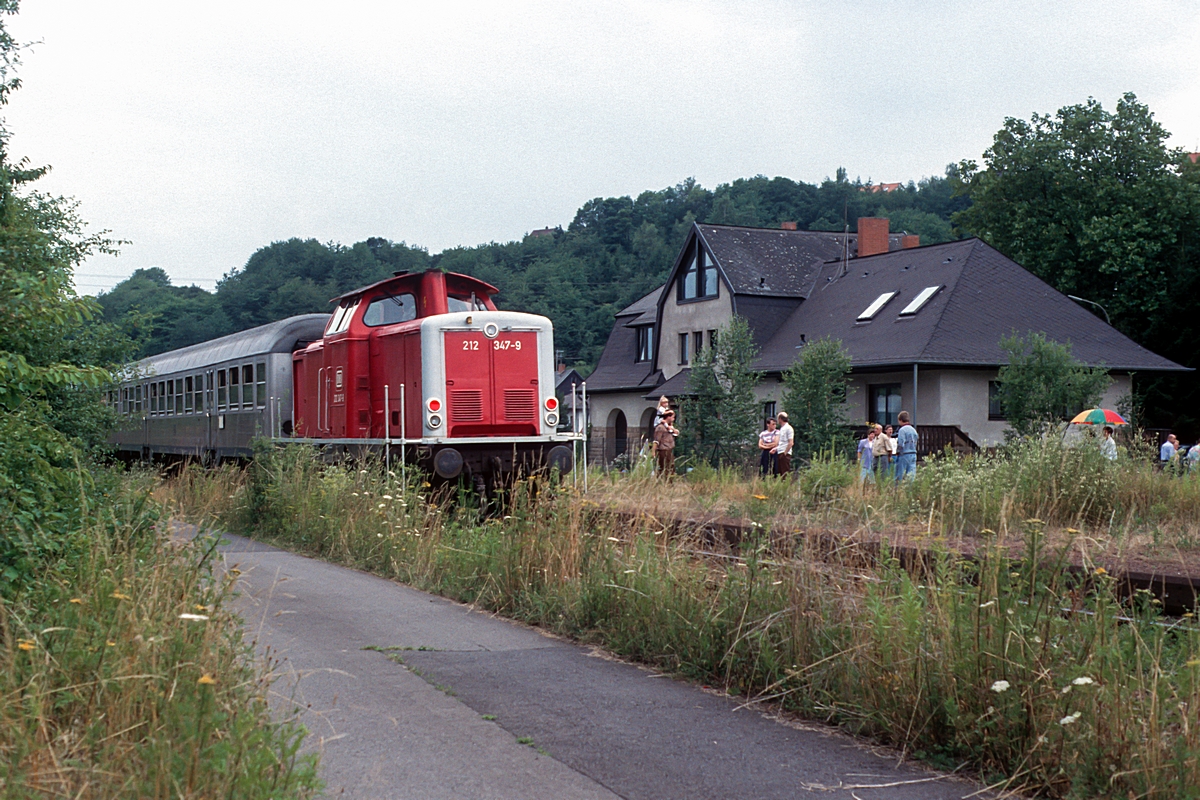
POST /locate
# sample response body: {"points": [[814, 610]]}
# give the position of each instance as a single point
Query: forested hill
{"points": [[613, 252]]}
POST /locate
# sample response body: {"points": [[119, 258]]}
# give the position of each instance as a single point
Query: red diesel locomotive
{"points": [[426, 360]]}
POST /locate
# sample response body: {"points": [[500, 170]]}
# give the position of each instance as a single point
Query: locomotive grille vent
{"points": [[466, 405], [520, 405]]}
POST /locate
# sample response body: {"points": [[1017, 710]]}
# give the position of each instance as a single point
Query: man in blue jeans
{"points": [[906, 449]]}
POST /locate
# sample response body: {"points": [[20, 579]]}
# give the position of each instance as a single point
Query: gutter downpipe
{"points": [[914, 411]]}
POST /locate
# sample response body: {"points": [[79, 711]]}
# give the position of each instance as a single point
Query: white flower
{"points": [[613, 539], [1070, 719], [1066, 689], [200, 617], [630, 571], [1083, 681], [387, 497], [999, 687], [988, 604]]}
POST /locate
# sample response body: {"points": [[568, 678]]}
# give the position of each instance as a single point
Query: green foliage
{"points": [[721, 414], [815, 392], [1096, 204], [1042, 384]]}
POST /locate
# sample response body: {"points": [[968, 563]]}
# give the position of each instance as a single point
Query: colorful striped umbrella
{"points": [[1098, 416]]}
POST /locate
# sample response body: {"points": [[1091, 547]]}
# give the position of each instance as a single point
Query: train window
{"points": [[235, 389], [260, 383], [454, 304], [390, 309], [208, 391], [137, 399], [189, 389], [222, 391], [340, 320], [154, 398], [198, 402], [248, 386]]}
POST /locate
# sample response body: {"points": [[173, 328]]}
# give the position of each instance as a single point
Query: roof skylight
{"points": [[920, 300], [875, 307]]}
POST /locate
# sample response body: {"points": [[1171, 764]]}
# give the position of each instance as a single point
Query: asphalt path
{"points": [[408, 695]]}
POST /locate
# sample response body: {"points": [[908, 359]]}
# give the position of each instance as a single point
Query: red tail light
{"points": [[435, 404], [551, 403]]}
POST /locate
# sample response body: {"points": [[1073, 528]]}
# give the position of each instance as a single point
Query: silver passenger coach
{"points": [[210, 399]]}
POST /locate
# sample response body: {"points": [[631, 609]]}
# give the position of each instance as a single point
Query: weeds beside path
{"points": [[123, 675], [1009, 666]]}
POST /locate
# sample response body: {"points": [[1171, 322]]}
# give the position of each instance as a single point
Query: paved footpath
{"points": [[568, 723]]}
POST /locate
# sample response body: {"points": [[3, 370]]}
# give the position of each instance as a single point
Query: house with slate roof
{"points": [[922, 326]]}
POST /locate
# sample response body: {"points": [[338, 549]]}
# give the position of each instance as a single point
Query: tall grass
{"points": [[122, 674], [1009, 666]]}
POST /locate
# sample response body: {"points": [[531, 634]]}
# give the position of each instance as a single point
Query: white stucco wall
{"points": [[688, 317]]}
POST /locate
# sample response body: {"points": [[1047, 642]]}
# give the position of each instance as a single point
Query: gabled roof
{"points": [[984, 297], [775, 262], [617, 368], [643, 311]]}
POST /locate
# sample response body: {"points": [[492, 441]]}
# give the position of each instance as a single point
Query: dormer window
{"points": [[645, 346], [698, 280]]}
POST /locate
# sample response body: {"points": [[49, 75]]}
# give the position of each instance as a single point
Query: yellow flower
{"points": [[121, 596], [1072, 530], [111, 643], [1195, 662], [199, 607], [26, 645], [206, 679], [760, 497], [1034, 521], [1101, 571], [76, 601]]}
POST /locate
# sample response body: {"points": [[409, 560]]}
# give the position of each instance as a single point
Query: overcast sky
{"points": [[203, 131]]}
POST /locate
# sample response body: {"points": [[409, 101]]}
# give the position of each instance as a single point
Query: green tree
{"points": [[1042, 384], [721, 415], [1096, 204], [815, 392]]}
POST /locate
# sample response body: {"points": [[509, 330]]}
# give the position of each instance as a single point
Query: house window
{"points": [[768, 411], [683, 348], [697, 344], [699, 278], [995, 407], [645, 345], [885, 403], [712, 339]]}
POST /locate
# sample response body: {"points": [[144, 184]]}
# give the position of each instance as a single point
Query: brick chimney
{"points": [[872, 236], [788, 226], [910, 240]]}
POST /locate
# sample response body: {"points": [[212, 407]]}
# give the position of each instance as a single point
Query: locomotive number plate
{"points": [[506, 344], [470, 344]]}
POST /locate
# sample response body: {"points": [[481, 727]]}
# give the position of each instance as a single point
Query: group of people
{"points": [[1173, 455], [775, 442], [775, 445], [884, 457]]}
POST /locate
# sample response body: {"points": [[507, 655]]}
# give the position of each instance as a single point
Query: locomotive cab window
{"points": [[390, 310], [455, 304], [340, 321]]}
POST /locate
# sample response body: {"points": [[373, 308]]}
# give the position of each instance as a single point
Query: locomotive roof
{"points": [[455, 282], [274, 337]]}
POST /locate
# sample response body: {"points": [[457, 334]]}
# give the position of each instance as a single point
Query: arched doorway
{"points": [[619, 431], [647, 426]]}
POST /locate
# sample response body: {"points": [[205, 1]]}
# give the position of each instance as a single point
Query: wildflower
{"points": [[1000, 687], [988, 604], [200, 617], [1083, 680], [1101, 571], [630, 571], [1066, 689], [383, 505], [1072, 530], [121, 596], [110, 643], [27, 645], [206, 680], [1195, 662], [76, 601], [354, 493], [388, 497], [1070, 719], [362, 472], [657, 533], [199, 607], [380, 535], [759, 497], [613, 539], [1034, 521], [1009, 612], [1014, 574], [776, 583], [988, 531]]}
